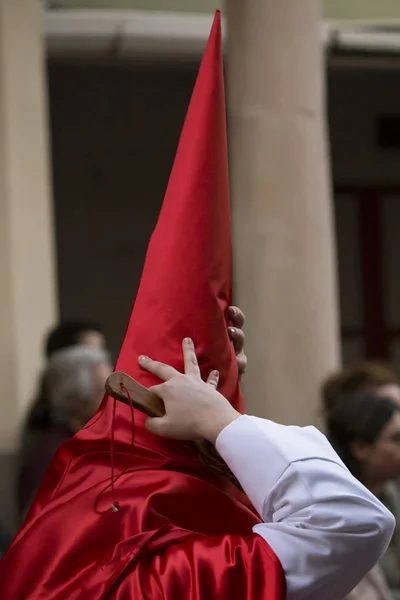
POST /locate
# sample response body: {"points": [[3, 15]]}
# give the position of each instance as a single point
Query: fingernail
{"points": [[142, 358], [232, 329], [188, 341]]}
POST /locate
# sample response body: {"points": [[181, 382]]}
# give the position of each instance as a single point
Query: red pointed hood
{"points": [[185, 291], [186, 283]]}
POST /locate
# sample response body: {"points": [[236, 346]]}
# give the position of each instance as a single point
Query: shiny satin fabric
{"points": [[180, 531]]}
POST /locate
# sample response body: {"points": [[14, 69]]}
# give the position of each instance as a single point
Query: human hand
{"points": [[237, 336], [193, 408]]}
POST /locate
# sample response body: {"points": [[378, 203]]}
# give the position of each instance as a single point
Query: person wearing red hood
{"points": [[126, 512]]}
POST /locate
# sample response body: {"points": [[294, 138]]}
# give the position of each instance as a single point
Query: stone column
{"points": [[27, 282], [284, 261]]}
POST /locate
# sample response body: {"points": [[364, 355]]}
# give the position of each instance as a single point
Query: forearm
{"points": [[324, 526]]}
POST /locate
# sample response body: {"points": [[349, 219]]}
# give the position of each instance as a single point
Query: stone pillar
{"points": [[284, 262], [27, 283]]}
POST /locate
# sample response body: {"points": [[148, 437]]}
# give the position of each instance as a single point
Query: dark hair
{"points": [[67, 334], [62, 336], [364, 377], [357, 417]]}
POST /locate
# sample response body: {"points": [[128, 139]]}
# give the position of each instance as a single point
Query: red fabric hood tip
{"points": [[186, 284]]}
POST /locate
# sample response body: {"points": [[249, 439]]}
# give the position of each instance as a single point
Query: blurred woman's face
{"points": [[381, 459], [92, 339]]}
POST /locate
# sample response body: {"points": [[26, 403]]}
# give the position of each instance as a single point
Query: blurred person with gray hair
{"points": [[64, 335], [74, 382]]}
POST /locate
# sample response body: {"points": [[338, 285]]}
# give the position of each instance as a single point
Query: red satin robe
{"points": [[180, 532]]}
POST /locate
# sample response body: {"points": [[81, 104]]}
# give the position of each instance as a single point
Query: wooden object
{"points": [[141, 397]]}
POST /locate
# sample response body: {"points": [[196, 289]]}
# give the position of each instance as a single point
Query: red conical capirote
{"points": [[186, 283]]}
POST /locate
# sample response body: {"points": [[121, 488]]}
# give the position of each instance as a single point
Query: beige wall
{"points": [[27, 285], [27, 291], [333, 9], [362, 10], [199, 6]]}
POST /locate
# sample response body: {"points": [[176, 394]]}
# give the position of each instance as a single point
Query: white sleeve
{"points": [[325, 527]]}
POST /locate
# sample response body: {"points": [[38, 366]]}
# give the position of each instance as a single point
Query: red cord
{"points": [[132, 411], [114, 501]]}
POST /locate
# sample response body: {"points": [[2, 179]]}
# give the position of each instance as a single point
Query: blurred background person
{"points": [[378, 380], [66, 334], [364, 429], [373, 377], [73, 385]]}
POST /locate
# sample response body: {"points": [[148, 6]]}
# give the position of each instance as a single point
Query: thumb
{"points": [[156, 425]]}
